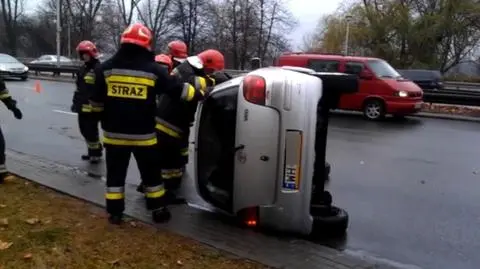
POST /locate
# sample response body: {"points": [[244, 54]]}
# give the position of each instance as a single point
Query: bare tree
{"points": [[12, 10], [187, 17], [154, 14]]}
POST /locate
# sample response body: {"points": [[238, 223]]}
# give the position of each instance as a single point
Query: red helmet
{"points": [[87, 46], [178, 49], [165, 60], [212, 60], [137, 34]]}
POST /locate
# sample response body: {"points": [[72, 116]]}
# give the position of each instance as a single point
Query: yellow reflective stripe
{"points": [[200, 83], [156, 194], [4, 94], [126, 142], [167, 173], [86, 108], [114, 196], [93, 145], [188, 92], [89, 79], [96, 107], [184, 152], [167, 130], [130, 79]]}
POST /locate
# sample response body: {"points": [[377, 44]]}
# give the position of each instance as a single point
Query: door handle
{"points": [[240, 147]]}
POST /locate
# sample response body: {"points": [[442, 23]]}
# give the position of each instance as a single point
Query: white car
{"points": [[52, 59], [260, 149]]}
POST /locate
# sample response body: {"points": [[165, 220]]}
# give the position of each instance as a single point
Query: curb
{"points": [[446, 117], [205, 227]]}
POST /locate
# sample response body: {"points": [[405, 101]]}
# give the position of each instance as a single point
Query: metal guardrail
{"points": [[457, 93]]}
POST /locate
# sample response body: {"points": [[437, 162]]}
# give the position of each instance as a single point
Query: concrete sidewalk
{"points": [[209, 228]]}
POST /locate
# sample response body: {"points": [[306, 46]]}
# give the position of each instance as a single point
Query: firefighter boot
{"points": [[161, 215], [95, 159], [115, 219], [85, 157]]}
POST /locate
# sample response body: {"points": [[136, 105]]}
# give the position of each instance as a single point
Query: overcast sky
{"points": [[308, 12]]}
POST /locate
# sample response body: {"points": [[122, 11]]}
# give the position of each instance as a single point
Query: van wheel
{"points": [[329, 220], [374, 109]]}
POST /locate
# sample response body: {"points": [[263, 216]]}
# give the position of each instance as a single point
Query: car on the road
{"points": [[52, 59], [11, 67], [382, 89], [260, 143], [428, 80]]}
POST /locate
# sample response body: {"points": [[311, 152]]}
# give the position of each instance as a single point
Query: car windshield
{"points": [[382, 69], [5, 58]]}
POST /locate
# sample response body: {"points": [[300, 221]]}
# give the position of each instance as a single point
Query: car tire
{"points": [[24, 78], [374, 109], [329, 220]]}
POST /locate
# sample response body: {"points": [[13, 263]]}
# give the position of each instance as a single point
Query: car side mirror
{"points": [[366, 74]]}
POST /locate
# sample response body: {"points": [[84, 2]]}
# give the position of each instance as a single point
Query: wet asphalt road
{"points": [[411, 187]]}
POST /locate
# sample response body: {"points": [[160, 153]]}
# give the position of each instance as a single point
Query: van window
{"points": [[324, 65], [354, 68], [382, 69]]}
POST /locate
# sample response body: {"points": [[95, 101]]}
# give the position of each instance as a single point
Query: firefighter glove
{"points": [[17, 113]]}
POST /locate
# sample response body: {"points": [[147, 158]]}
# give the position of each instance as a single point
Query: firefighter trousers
{"points": [[171, 163], [88, 124], [117, 159], [183, 151], [3, 168]]}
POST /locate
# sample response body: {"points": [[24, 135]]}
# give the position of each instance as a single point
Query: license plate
{"points": [[418, 105]]}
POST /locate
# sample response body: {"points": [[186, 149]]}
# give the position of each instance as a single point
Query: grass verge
{"points": [[40, 228]]}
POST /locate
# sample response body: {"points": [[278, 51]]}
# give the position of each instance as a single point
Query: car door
{"points": [[257, 150]]}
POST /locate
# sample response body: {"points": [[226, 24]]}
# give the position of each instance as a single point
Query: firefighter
{"points": [[87, 121], [165, 61], [11, 104], [126, 87], [175, 118], [178, 52]]}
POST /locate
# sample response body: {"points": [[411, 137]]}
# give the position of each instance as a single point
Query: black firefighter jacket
{"points": [[85, 86]]}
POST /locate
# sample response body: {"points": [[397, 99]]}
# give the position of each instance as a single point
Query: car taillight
{"points": [[254, 89]]}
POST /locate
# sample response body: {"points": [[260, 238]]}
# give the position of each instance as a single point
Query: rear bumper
{"points": [[404, 107]]}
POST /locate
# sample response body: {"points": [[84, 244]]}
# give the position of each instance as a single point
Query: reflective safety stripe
{"points": [[86, 108], [177, 173], [184, 152], [200, 83], [130, 72], [167, 173], [115, 193], [188, 92], [155, 191], [211, 81], [129, 139], [93, 145], [168, 128], [3, 168], [89, 78], [96, 107], [4, 94]]}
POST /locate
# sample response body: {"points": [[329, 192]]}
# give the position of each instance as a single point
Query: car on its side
{"points": [[11, 67]]}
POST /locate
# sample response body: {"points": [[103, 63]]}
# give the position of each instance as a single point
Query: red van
{"points": [[382, 89]]}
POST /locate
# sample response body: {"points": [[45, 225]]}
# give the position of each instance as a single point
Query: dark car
{"points": [[429, 80]]}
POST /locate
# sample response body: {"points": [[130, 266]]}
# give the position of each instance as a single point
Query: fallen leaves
{"points": [[27, 256], [5, 245], [32, 221], [3, 206], [114, 262], [451, 109], [4, 222]]}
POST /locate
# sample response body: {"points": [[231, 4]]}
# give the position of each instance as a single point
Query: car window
{"points": [[5, 58], [354, 68], [382, 69], [324, 65]]}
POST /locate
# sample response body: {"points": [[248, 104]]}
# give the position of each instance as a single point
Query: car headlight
{"points": [[401, 94], [25, 68], [2, 68]]}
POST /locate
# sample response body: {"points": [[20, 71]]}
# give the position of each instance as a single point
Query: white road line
{"points": [[65, 112]]}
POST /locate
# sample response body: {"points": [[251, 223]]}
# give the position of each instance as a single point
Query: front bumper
{"points": [[14, 74], [404, 107]]}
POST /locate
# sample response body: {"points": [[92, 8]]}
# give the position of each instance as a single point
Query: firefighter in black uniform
{"points": [[87, 121], [178, 52], [175, 118], [11, 104], [126, 87]]}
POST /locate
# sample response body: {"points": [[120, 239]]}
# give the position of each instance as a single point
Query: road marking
{"points": [[65, 112]]}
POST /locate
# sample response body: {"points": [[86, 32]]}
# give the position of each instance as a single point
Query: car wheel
{"points": [[24, 78], [329, 220], [374, 109]]}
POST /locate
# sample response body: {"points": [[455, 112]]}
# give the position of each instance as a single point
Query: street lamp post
{"points": [[347, 33], [59, 29]]}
